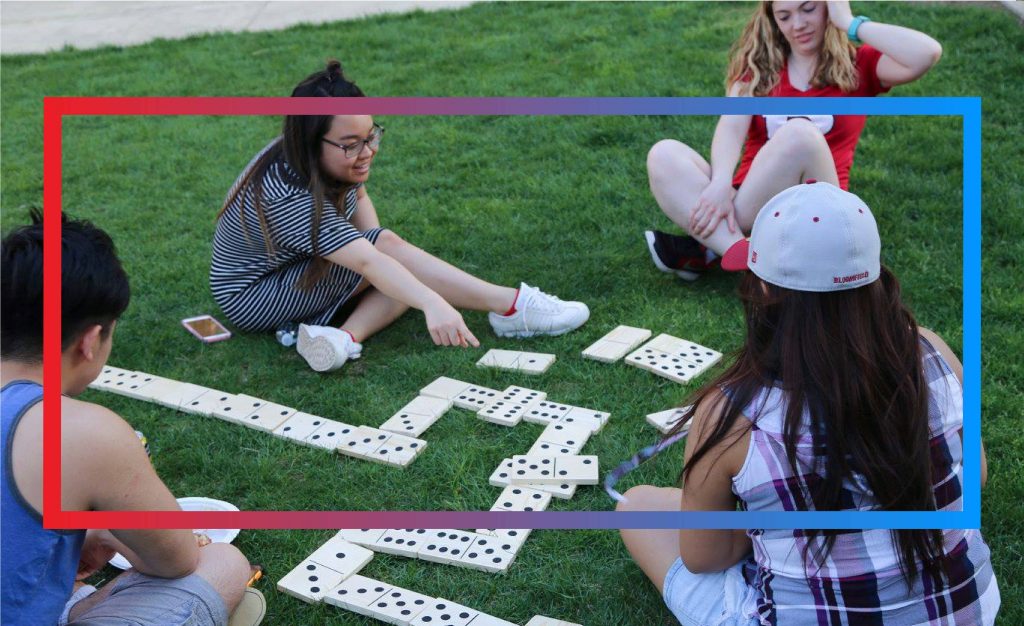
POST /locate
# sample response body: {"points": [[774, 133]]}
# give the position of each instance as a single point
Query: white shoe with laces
{"points": [[326, 348], [538, 313]]}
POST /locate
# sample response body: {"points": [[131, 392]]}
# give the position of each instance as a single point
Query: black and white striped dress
{"points": [[258, 291]]}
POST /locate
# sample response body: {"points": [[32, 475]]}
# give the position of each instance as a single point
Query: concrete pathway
{"points": [[27, 27], [1016, 7]]}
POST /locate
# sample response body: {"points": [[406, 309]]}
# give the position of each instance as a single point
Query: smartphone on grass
{"points": [[206, 329]]}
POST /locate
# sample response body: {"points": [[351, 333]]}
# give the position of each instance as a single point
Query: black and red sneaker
{"points": [[681, 255]]}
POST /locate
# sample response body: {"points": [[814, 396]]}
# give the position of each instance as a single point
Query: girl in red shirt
{"points": [[788, 49]]}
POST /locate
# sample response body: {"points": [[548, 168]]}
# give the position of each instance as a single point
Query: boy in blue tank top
{"points": [[104, 467]]}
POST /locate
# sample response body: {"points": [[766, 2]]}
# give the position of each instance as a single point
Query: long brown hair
{"points": [[852, 360], [299, 146], [757, 57]]}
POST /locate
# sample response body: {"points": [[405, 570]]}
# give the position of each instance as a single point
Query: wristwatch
{"points": [[851, 32]]}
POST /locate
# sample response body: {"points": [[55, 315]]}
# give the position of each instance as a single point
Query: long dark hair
{"points": [[852, 359], [299, 146]]}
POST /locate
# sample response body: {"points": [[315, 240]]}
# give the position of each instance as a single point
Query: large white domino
{"points": [[109, 378], [665, 421], [541, 620], [511, 539], [206, 403], [394, 605], [403, 542], [513, 405], [444, 545], [526, 362], [546, 448], [309, 581], [341, 556], [174, 395], [445, 612], [489, 620], [476, 397], [594, 420], [502, 477], [416, 417], [329, 436], [579, 470], [362, 537], [522, 395], [141, 386], [518, 498], [503, 412], [570, 435], [663, 364], [444, 387], [673, 358], [357, 593], [546, 412], [299, 426], [381, 446], [489, 554], [688, 350], [616, 344], [399, 606]]}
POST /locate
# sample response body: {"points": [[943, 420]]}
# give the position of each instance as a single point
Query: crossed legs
{"points": [[222, 565], [653, 550], [678, 174]]}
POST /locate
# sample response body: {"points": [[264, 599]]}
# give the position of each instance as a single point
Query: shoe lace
{"points": [[538, 300]]}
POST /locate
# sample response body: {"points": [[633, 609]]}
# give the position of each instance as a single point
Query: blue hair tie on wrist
{"points": [[851, 32]]}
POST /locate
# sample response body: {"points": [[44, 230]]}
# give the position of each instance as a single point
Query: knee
{"points": [[636, 498], [799, 136], [390, 243], [672, 164], [667, 157]]}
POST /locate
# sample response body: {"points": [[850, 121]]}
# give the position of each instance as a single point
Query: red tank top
{"points": [[841, 131]]}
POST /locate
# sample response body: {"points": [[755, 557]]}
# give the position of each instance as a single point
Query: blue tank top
{"points": [[39, 565]]}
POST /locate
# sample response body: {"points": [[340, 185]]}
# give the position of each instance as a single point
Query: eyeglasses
{"points": [[353, 150]]}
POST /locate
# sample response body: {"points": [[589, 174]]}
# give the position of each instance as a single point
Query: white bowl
{"points": [[216, 535]]}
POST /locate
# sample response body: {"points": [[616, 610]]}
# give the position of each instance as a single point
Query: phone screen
{"points": [[207, 327]]}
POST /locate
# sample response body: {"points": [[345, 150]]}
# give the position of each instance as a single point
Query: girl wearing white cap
{"points": [[788, 49], [837, 401], [298, 237]]}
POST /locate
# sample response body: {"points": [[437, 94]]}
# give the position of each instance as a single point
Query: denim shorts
{"points": [[140, 599], [716, 599]]}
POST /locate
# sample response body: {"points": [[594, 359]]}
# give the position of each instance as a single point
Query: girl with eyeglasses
{"points": [[298, 236], [788, 49], [837, 401]]}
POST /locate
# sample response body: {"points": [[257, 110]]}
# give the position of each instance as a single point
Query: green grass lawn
{"points": [[559, 202]]}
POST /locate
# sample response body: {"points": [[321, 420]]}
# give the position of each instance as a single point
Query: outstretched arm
{"points": [[907, 54], [391, 278]]}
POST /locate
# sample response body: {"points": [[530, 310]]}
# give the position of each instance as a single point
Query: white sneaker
{"points": [[538, 313], [326, 348]]}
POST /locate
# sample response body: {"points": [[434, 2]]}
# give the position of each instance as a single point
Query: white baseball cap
{"points": [[811, 237]]}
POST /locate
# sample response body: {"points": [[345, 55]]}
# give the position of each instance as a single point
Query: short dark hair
{"points": [[94, 286]]}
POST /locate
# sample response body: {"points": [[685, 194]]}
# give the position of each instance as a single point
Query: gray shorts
{"points": [[137, 599]]}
